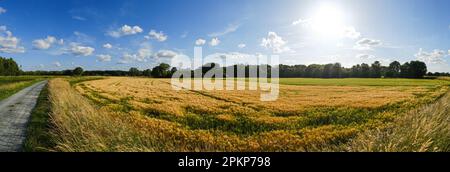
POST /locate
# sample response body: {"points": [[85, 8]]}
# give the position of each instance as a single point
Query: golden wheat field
{"points": [[143, 114]]}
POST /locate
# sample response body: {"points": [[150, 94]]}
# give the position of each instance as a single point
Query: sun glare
{"points": [[328, 21]]}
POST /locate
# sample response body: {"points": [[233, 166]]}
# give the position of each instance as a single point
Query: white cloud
{"points": [[159, 36], [434, 57], [9, 43], [449, 52], [350, 32], [200, 42], [365, 56], [104, 58], [2, 10], [79, 50], [43, 44], [107, 46], [57, 64], [125, 30], [274, 42], [242, 45], [367, 44], [144, 53], [302, 22], [229, 29], [214, 42], [166, 54], [127, 58]]}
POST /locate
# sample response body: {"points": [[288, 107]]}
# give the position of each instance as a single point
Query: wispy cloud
{"points": [[229, 29], [303, 22], [57, 64], [367, 44], [434, 57], [2, 10], [365, 56], [83, 38], [184, 35], [78, 18], [104, 58], [82, 14]]}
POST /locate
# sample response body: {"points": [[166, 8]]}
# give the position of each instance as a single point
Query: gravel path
{"points": [[14, 114]]}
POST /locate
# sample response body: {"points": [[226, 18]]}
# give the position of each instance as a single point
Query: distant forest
{"points": [[412, 69]]}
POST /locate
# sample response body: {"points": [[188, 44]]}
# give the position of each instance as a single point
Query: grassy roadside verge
{"points": [[11, 85], [38, 129]]}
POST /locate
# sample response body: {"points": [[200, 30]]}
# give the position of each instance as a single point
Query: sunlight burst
{"points": [[328, 21]]}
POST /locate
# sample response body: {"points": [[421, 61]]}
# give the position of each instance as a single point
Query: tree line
{"points": [[8, 67], [163, 70], [412, 69]]}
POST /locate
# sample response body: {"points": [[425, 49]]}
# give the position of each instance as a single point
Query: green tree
{"points": [[161, 71], [8, 67], [404, 70], [314, 71], [134, 72], [327, 71], [394, 69], [173, 70], [147, 72], [376, 69], [78, 71], [336, 71], [417, 69], [356, 71], [365, 70]]}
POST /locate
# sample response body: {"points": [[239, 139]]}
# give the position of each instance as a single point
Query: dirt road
{"points": [[14, 115]]}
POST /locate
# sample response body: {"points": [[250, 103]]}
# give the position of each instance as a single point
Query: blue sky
{"points": [[118, 34]]}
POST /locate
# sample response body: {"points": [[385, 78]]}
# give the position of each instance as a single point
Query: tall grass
{"points": [[81, 127], [425, 129], [446, 78]]}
